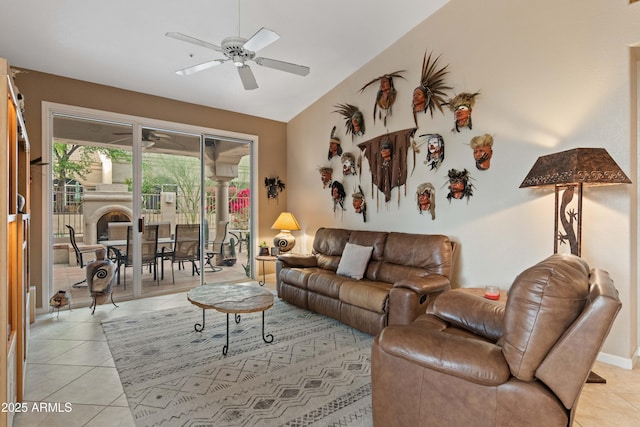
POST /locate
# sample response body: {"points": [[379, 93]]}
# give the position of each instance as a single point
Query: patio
{"points": [[64, 276]]}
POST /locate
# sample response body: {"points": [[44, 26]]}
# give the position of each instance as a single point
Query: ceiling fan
{"points": [[149, 137], [239, 50]]}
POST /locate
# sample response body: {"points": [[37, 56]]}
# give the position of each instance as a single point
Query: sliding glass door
{"points": [[119, 183]]}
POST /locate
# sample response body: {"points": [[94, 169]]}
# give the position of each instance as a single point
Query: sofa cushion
{"points": [[354, 260], [415, 255], [328, 245], [376, 239], [326, 283], [297, 276], [543, 302], [365, 294]]}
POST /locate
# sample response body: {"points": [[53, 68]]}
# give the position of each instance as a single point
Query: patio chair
{"points": [[149, 249], [185, 248], [80, 255], [217, 246]]}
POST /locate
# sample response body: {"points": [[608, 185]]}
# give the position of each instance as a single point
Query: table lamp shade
{"points": [[286, 223]]}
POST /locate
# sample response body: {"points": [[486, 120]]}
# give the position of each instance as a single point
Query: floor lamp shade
{"points": [[568, 171], [286, 223]]}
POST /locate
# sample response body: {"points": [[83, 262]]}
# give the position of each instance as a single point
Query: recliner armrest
{"points": [[424, 284], [470, 312], [408, 298], [471, 359], [298, 260]]}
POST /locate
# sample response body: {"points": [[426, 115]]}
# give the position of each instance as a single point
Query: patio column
{"points": [[222, 199]]}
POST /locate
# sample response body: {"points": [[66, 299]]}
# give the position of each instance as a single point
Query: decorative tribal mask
{"points": [[461, 105], [386, 95]]}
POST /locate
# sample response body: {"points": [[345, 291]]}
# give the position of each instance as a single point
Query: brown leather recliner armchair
{"points": [[473, 362]]}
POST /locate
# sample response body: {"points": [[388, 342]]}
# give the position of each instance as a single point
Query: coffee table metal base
{"points": [[268, 338], [232, 299]]}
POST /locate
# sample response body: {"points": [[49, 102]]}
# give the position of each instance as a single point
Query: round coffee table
{"points": [[233, 298]]}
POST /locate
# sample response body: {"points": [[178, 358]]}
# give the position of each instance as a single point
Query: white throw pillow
{"points": [[354, 260]]}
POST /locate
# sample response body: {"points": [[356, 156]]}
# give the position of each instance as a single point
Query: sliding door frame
{"points": [[50, 109]]}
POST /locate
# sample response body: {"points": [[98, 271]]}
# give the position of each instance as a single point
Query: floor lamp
{"points": [[568, 172]]}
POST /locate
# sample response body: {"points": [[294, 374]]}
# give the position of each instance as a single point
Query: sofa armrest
{"points": [[470, 312], [409, 298], [297, 260], [468, 358], [424, 284]]}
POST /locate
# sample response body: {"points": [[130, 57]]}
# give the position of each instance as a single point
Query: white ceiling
{"points": [[122, 43]]}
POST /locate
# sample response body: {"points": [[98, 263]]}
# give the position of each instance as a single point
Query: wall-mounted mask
{"points": [[386, 95], [462, 105], [348, 164], [482, 146], [426, 199], [429, 94], [353, 119], [435, 150], [273, 185], [326, 174], [338, 194], [359, 204], [459, 184], [335, 148]]}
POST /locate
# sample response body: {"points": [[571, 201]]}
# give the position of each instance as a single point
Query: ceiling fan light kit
{"points": [[238, 50]]}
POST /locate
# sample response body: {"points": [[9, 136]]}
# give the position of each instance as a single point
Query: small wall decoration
{"points": [[429, 95], [335, 148], [426, 199], [461, 105], [338, 194], [348, 164], [359, 204], [353, 119], [459, 184], [482, 146], [435, 149], [326, 175], [274, 186], [387, 156], [386, 95]]}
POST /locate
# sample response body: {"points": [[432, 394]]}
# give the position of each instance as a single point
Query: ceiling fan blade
{"points": [[194, 69], [117, 141], [261, 39], [288, 67], [193, 40], [247, 77]]}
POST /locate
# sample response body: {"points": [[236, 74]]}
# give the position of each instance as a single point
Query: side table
{"points": [[265, 258]]}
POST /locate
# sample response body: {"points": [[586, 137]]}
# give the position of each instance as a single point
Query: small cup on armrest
{"points": [[492, 292]]}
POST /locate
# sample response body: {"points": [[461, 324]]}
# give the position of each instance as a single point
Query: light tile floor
{"points": [[69, 362]]}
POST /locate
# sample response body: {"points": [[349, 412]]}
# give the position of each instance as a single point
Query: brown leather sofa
{"points": [[403, 270], [474, 362]]}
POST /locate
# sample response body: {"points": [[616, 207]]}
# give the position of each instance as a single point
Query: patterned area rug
{"points": [[316, 371]]}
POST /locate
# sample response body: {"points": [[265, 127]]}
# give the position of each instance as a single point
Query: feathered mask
{"points": [[353, 118], [461, 105], [430, 94], [386, 95]]}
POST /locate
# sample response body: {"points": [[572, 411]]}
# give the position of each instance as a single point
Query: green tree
{"points": [[185, 174], [66, 166]]}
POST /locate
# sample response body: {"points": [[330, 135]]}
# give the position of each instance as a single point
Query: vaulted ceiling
{"points": [[122, 43]]}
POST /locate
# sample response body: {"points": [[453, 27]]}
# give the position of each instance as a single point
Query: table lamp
{"points": [[286, 223], [569, 171]]}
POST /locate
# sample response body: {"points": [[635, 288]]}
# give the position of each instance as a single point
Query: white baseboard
{"points": [[621, 362]]}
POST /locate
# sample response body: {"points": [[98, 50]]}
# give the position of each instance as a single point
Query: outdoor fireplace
{"points": [[108, 203]]}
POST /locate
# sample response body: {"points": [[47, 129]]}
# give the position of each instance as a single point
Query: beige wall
{"points": [[552, 75], [38, 87]]}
